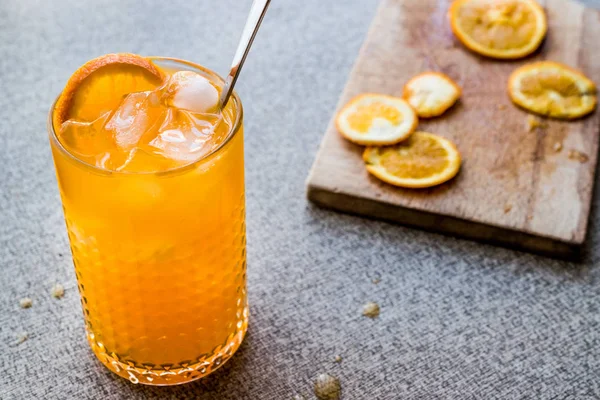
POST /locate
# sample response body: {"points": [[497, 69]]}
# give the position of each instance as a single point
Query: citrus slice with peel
{"points": [[431, 93], [552, 89], [99, 85], [421, 161], [376, 119], [505, 29]]}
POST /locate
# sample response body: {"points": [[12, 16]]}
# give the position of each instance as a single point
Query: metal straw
{"points": [[257, 13]]}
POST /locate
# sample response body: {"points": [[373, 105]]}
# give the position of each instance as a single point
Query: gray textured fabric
{"points": [[459, 320]]}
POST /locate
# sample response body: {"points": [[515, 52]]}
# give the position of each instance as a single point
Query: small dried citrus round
{"points": [[431, 93], [505, 29], [99, 85], [552, 89], [423, 160], [376, 119]]}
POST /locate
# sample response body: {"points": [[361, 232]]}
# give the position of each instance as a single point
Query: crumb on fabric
{"points": [[327, 387], [22, 337], [371, 310], [25, 302], [58, 291]]}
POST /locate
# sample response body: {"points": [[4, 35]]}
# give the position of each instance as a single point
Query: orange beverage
{"points": [[153, 196]]}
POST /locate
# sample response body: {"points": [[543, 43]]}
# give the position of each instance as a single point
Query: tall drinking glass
{"points": [[160, 257]]}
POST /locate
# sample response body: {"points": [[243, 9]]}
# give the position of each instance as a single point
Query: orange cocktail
{"points": [[151, 177]]}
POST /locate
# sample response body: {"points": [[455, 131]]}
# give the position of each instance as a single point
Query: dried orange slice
{"points": [[552, 89], [423, 160], [376, 119], [505, 29], [100, 84], [431, 93]]}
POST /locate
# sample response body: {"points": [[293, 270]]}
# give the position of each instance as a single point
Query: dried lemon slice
{"points": [[376, 119], [552, 89], [504, 29], [423, 160], [431, 93]]}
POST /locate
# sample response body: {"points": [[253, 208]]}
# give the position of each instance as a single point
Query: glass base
{"points": [[176, 375]]}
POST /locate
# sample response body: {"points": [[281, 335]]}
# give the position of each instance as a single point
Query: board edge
{"points": [[449, 225]]}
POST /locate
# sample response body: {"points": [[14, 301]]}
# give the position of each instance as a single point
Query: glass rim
{"points": [[238, 110]]}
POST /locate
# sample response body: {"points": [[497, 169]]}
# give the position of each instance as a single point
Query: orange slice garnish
{"points": [[376, 119], [421, 161], [552, 89], [100, 85], [431, 93], [505, 29]]}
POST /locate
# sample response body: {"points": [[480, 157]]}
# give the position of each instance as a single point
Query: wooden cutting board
{"points": [[513, 188]]}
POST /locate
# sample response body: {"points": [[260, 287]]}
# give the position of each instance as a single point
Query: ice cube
{"points": [[89, 142], [187, 90], [86, 139], [136, 115], [184, 136]]}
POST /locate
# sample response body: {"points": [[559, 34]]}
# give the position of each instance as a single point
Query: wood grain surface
{"points": [[514, 188]]}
